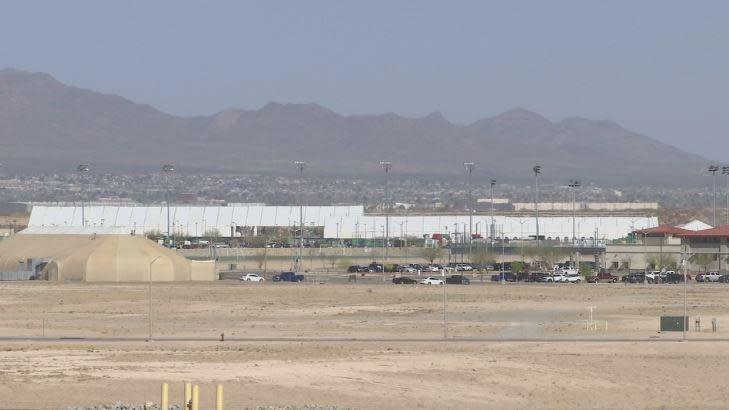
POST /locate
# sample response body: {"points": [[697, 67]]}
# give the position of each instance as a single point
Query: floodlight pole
{"points": [[537, 170], [469, 169], [725, 171], [83, 169], [167, 169], [386, 165], [300, 165], [713, 169], [149, 311], [491, 228], [685, 304]]}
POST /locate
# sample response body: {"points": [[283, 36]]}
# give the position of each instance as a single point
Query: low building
{"points": [[714, 243], [93, 255], [651, 248]]}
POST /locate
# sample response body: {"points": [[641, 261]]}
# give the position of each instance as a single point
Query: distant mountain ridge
{"points": [[46, 125]]}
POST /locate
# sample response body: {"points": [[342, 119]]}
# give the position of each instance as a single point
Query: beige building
{"points": [[712, 242], [651, 248], [99, 258]]}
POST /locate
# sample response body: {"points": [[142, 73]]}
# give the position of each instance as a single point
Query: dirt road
{"points": [[377, 374]]}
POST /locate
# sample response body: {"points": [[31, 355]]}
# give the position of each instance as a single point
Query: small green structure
{"points": [[673, 323]]}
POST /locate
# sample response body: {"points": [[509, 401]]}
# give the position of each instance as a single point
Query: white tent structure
{"points": [[337, 221], [695, 225]]}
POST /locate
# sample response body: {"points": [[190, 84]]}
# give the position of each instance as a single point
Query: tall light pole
{"points": [[725, 171], [537, 170], [469, 169], [149, 311], [386, 165], [713, 169], [300, 165], [491, 228], [83, 169], [168, 169], [573, 186]]}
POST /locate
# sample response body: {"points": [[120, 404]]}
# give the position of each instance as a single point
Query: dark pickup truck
{"points": [[288, 277], [603, 277]]}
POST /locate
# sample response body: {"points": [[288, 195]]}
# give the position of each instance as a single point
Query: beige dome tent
{"points": [[101, 258]]}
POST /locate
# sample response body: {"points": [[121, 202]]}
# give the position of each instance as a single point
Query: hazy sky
{"points": [[657, 67]]}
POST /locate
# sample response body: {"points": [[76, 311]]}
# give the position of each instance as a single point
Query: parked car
{"points": [[559, 277], [603, 277], [376, 267], [573, 278], [711, 277], [653, 276], [252, 277], [432, 268], [723, 278], [638, 277], [464, 267], [404, 280], [674, 277], [458, 280], [535, 276], [507, 277], [430, 280], [407, 269], [547, 277], [358, 269], [288, 277]]}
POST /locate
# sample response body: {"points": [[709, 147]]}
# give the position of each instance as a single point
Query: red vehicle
{"points": [[603, 277]]}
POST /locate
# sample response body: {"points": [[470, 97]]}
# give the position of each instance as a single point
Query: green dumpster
{"points": [[673, 323]]}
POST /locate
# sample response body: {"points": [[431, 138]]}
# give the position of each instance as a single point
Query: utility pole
{"points": [[713, 169], [537, 170], [386, 165], [469, 169], [83, 169], [300, 165]]}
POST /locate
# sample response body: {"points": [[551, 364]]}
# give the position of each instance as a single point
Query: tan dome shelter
{"points": [[92, 257]]}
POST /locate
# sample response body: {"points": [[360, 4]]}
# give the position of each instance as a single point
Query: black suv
{"points": [[674, 277], [404, 280], [458, 280], [638, 277]]}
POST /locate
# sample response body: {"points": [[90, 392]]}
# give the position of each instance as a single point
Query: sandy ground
{"points": [[653, 370]]}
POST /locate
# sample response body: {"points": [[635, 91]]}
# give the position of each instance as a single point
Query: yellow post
{"points": [[195, 397], [188, 396], [164, 402], [219, 397]]}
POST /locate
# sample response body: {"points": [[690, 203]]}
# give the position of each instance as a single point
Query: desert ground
{"points": [[365, 345]]}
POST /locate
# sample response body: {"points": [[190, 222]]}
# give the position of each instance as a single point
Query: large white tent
{"points": [[337, 221]]}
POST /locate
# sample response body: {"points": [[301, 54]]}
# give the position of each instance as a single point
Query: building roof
{"points": [[662, 230], [338, 222], [695, 225], [718, 232]]}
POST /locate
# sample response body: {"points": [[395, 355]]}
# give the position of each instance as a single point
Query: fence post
{"points": [[219, 397], [188, 396], [196, 397], [164, 402]]}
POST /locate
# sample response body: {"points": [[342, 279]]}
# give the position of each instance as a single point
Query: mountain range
{"points": [[46, 125]]}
